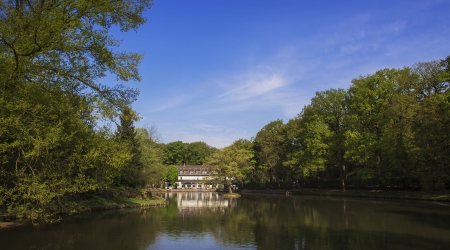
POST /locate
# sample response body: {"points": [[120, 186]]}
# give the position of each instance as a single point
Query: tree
{"points": [[229, 164], [250, 172], [45, 163], [66, 45], [269, 149], [175, 153], [52, 56], [329, 108], [305, 145], [151, 157], [194, 153], [131, 172], [431, 124], [172, 174], [197, 153], [369, 98]]}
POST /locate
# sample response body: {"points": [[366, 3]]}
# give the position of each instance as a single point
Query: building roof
{"points": [[194, 170]]}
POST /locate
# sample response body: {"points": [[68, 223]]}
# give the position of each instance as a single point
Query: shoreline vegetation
{"points": [[441, 196], [96, 203]]}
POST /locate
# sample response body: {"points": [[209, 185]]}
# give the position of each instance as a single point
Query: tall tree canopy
{"points": [[53, 55], [66, 45], [269, 149]]}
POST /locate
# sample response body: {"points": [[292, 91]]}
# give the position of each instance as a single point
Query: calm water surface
{"points": [[206, 221]]}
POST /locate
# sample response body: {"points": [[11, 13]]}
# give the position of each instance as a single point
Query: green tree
{"points": [[250, 172], [431, 124], [230, 163], [52, 56], [45, 162], [269, 150], [329, 108], [197, 153], [305, 144], [66, 45], [131, 174], [369, 98], [172, 174], [175, 153], [152, 156]]}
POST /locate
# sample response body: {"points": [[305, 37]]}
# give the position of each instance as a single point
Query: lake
{"points": [[202, 220]]}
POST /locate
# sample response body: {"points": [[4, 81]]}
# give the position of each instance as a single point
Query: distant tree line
{"points": [[179, 153], [389, 129]]}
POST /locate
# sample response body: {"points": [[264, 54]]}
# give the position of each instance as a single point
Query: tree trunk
{"points": [[343, 175]]}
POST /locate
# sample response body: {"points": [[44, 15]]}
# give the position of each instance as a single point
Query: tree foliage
{"points": [[231, 163], [390, 128], [53, 55], [130, 175], [194, 153], [269, 149], [172, 174], [152, 156]]}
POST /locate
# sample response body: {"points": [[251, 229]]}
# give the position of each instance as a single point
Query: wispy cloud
{"points": [[350, 48], [262, 81], [274, 78], [395, 27], [168, 104]]}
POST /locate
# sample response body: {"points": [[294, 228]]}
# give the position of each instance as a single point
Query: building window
{"points": [[197, 172], [191, 172], [181, 172], [204, 172]]}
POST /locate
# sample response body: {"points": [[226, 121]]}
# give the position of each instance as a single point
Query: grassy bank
{"points": [[101, 203], [363, 193], [95, 203]]}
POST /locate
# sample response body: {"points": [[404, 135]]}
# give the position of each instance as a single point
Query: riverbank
{"points": [[101, 203], [443, 196], [98, 203]]}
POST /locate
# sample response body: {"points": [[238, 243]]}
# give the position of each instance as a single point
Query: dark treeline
{"points": [[389, 129]]}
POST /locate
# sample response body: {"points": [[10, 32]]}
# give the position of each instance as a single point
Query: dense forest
{"points": [[65, 136]]}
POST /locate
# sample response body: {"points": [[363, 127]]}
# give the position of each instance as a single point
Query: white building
{"points": [[194, 177]]}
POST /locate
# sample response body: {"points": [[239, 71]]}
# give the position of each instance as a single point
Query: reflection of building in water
{"points": [[193, 203]]}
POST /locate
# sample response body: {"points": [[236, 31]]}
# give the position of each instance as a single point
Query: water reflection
{"points": [[207, 221], [194, 203]]}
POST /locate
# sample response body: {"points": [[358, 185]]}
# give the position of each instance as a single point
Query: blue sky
{"points": [[216, 71]]}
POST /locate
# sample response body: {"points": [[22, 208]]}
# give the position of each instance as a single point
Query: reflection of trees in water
{"points": [[254, 222], [290, 223], [296, 223], [124, 229]]}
